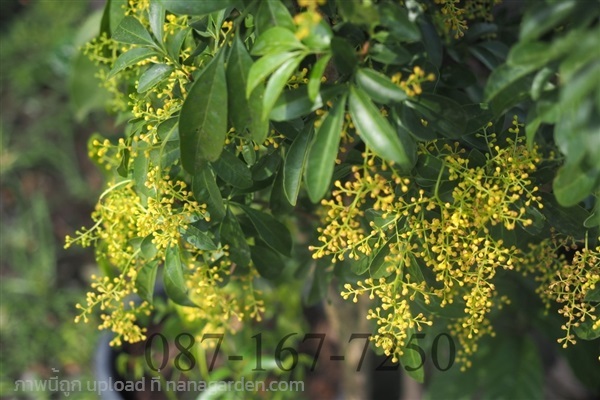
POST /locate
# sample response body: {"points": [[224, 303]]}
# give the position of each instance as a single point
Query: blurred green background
{"points": [[48, 189]]}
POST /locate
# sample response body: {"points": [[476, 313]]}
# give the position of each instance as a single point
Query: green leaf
{"points": [[205, 189], [379, 264], [323, 152], [358, 12], [593, 294], [390, 53], [568, 221], [268, 263], [295, 162], [264, 66], [131, 31], [276, 40], [585, 329], [442, 114], [507, 85], [395, 18], [271, 231], [296, 103], [174, 280], [543, 17], [319, 37], [344, 56], [174, 43], [130, 58], [199, 239], [378, 86], [410, 119], [233, 170], [572, 185], [123, 168], [146, 280], [156, 16], [377, 132], [514, 370], [147, 247], [247, 111], [196, 7], [153, 76], [232, 234], [203, 119], [277, 82], [411, 357], [316, 73], [272, 13]]}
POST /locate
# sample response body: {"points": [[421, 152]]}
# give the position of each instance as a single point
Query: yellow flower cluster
{"points": [[568, 281], [412, 85], [454, 14], [380, 217], [122, 220]]}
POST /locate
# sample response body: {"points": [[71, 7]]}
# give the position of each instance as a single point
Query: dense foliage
{"points": [[438, 158]]}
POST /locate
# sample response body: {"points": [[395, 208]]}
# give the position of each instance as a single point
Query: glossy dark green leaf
{"points": [[431, 41], [566, 220], [378, 86], [232, 235], [357, 12], [203, 117], [246, 112], [130, 58], [272, 13], [174, 43], [264, 66], [377, 132], [199, 239], [316, 73], [271, 231], [131, 31], [572, 185], [514, 370], [233, 170], [395, 18], [296, 103], [153, 76], [174, 280], [586, 330], [140, 171], [276, 40], [413, 121], [205, 189], [379, 264], [593, 294], [441, 114], [319, 37], [196, 7], [277, 82], [266, 166], [148, 248], [123, 168], [545, 16], [268, 263], [411, 357], [156, 16], [390, 53], [145, 281], [507, 85], [344, 56], [278, 201], [295, 163], [323, 152]]}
